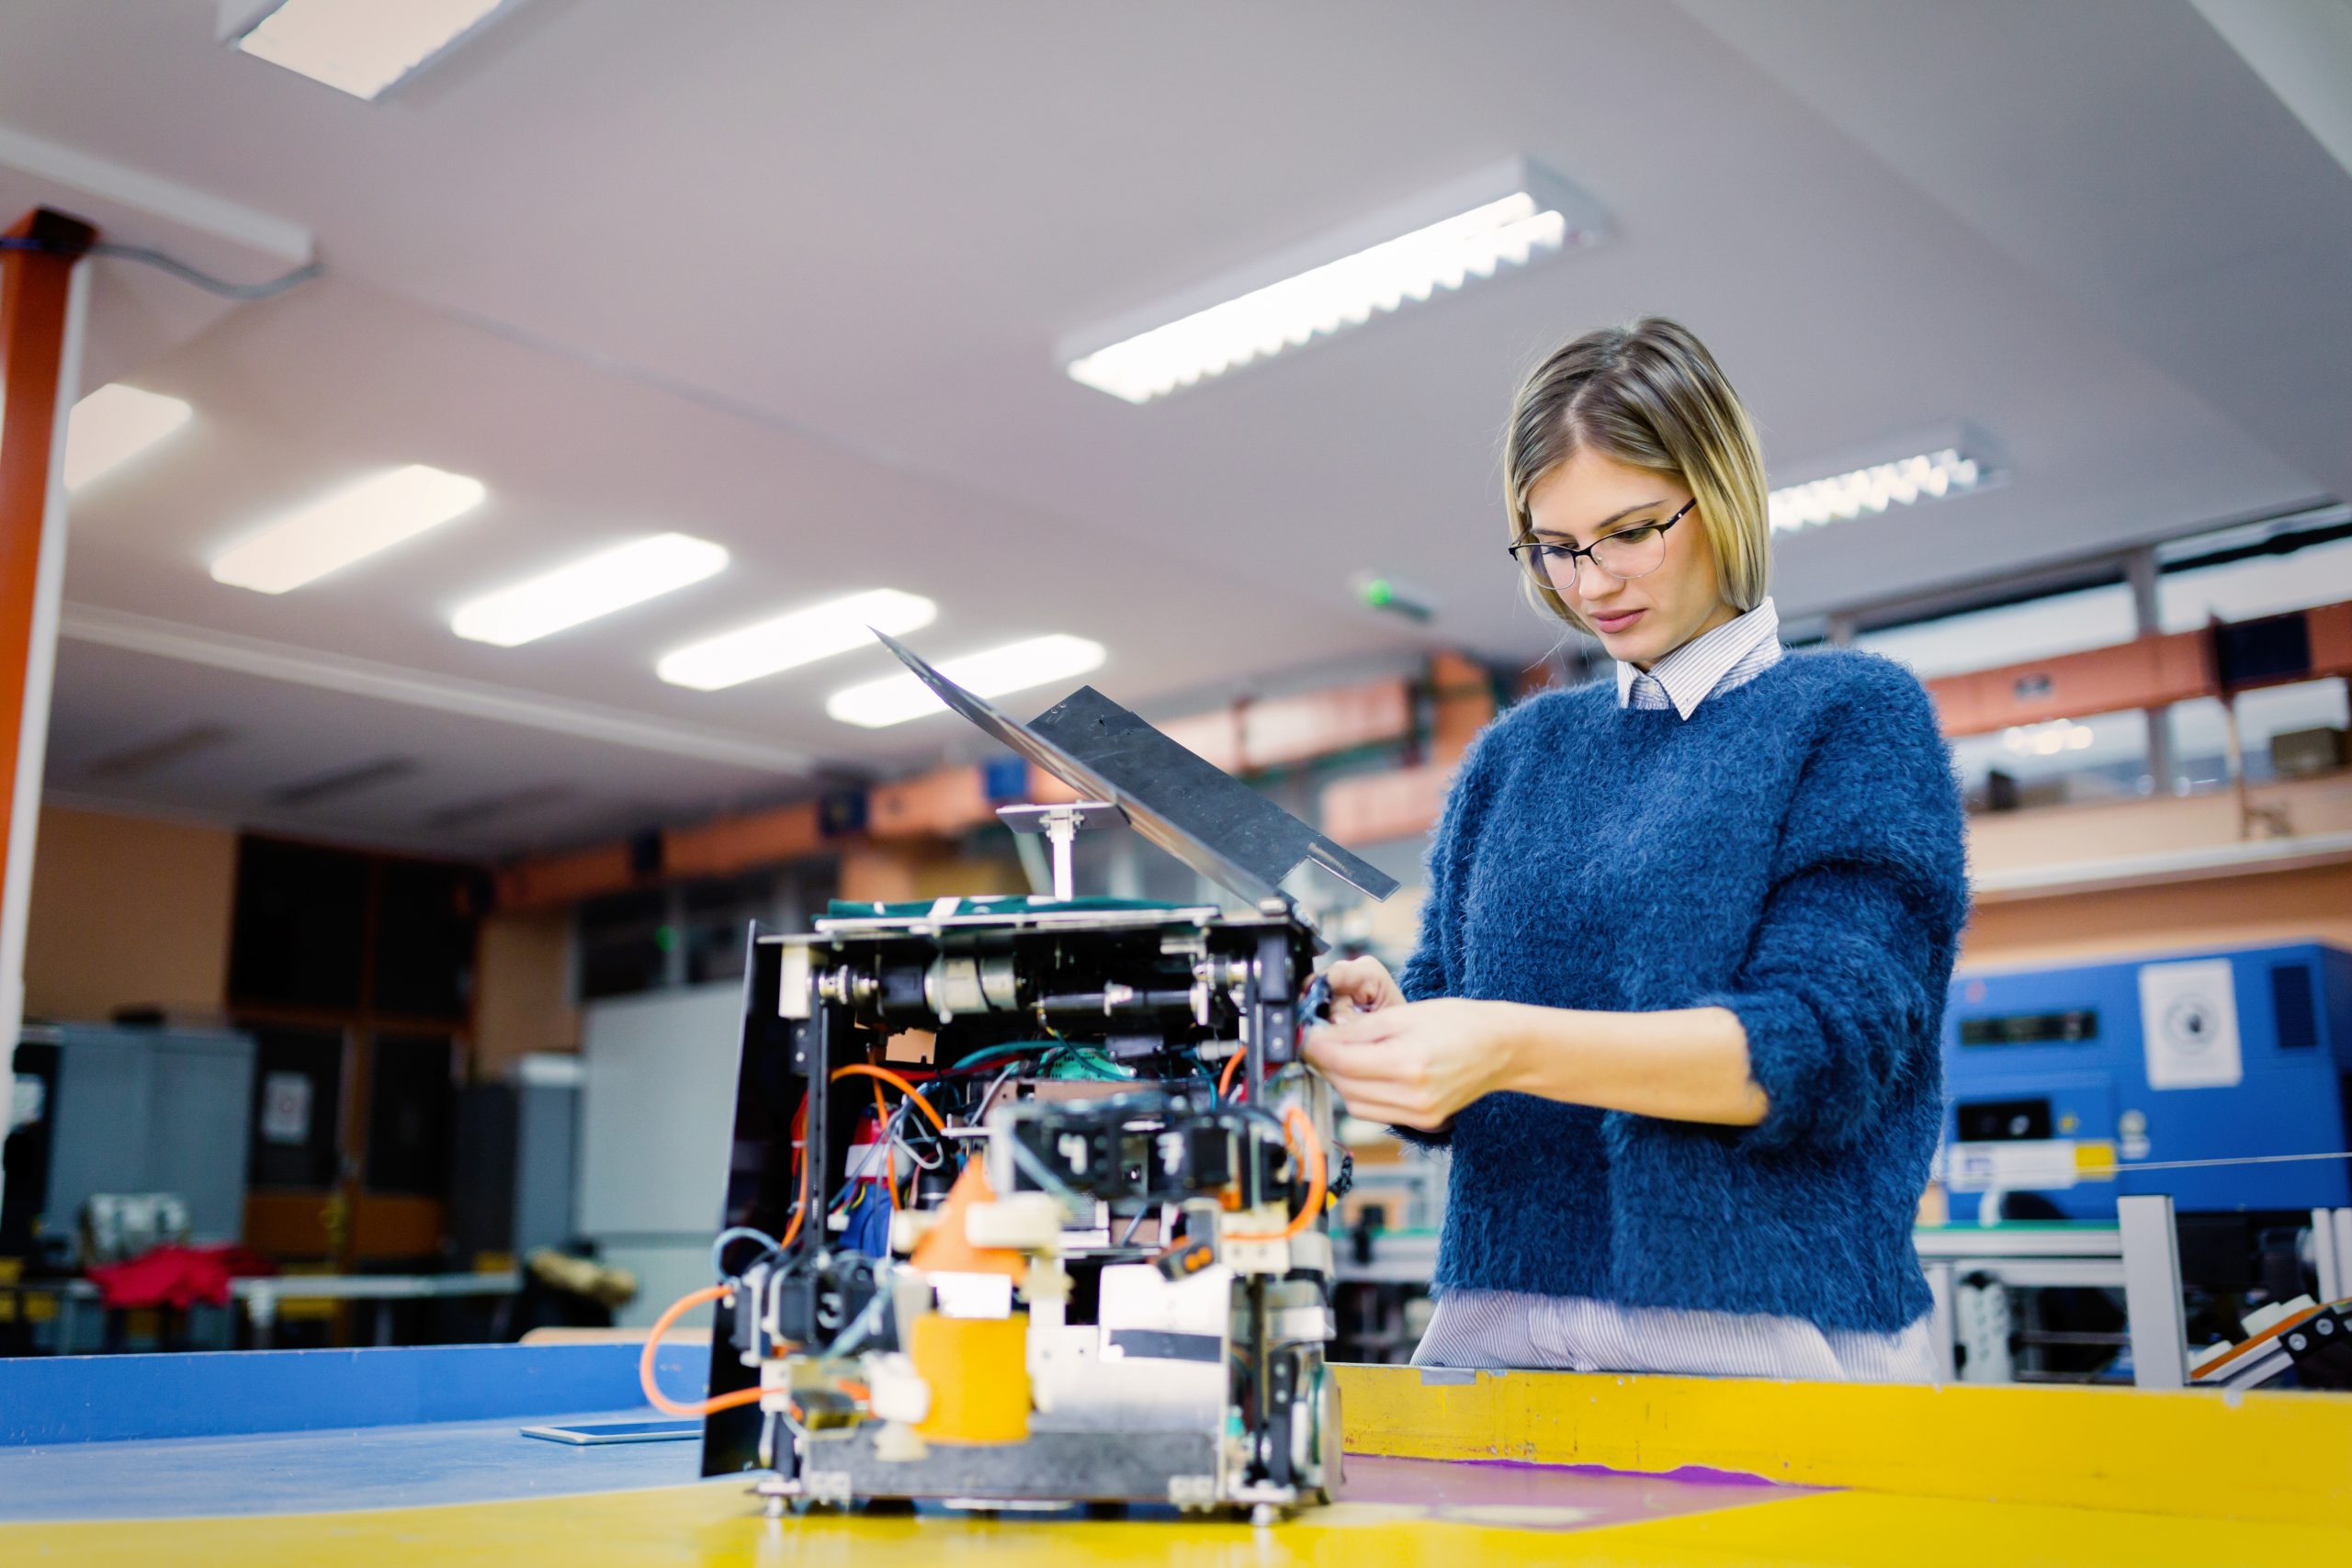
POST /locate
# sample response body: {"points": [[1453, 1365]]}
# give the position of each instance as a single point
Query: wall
{"points": [[128, 912], [2280, 905], [2209, 911], [522, 992]]}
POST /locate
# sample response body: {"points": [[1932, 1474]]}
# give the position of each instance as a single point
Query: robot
{"points": [[1079, 1256]]}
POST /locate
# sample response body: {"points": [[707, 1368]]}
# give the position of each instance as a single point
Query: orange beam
{"points": [[2331, 629], [1374, 809], [1465, 703], [2147, 673], [737, 843], [1316, 724], [549, 881], [34, 287]]}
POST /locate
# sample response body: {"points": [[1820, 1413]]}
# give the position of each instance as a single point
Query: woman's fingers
{"points": [[1361, 985], [1345, 1060]]}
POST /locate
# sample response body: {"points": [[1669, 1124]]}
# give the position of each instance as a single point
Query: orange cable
{"points": [[861, 1069], [889, 1159], [662, 1325], [1225, 1078], [1315, 1173], [800, 1160]]}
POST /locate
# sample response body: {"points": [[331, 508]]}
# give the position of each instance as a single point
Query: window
{"points": [[2318, 572], [2008, 634]]}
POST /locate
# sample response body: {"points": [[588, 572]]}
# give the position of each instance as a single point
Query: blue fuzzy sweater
{"points": [[1793, 851]]}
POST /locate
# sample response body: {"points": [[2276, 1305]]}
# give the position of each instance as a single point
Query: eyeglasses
{"points": [[1624, 555]]}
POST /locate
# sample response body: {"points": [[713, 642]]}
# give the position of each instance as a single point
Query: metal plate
{"points": [[1075, 1467], [1195, 810]]}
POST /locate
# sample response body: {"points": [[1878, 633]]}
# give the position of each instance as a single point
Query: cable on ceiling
{"points": [[248, 293]]}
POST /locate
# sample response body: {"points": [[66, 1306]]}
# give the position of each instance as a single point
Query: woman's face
{"points": [[1642, 620]]}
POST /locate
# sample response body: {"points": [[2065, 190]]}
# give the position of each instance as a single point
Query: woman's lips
{"points": [[1616, 623]]}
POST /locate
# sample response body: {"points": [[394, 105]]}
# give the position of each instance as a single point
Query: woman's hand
{"points": [[1360, 985], [1412, 1064]]}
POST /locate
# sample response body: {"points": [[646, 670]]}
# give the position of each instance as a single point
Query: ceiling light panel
{"points": [[1503, 217], [800, 638], [1865, 492], [895, 699], [347, 527], [113, 425], [609, 581], [360, 46]]}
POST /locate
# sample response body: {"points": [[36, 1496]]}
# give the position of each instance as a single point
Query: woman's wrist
{"points": [[1527, 1049]]}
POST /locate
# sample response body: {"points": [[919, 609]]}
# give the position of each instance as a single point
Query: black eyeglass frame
{"points": [[1533, 565]]}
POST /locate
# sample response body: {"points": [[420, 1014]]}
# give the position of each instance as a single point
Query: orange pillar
{"points": [[42, 299]]}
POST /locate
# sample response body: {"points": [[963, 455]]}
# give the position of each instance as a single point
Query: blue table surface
{"points": [[324, 1431], [332, 1470]]}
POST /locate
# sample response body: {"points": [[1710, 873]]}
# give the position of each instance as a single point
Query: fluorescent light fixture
{"points": [[609, 581], [895, 699], [350, 526], [2047, 740], [360, 47], [1867, 492], [801, 637], [113, 425], [1503, 217]]}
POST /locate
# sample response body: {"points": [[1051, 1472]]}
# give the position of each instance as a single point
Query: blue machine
{"points": [[2052, 1076]]}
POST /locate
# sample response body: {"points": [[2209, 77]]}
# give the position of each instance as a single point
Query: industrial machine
{"points": [[2073, 1082], [1079, 1255]]}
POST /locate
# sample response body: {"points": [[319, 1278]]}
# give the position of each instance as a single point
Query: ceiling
{"points": [[789, 277]]}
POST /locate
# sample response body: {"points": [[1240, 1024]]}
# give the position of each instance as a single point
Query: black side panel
{"points": [[760, 1188]]}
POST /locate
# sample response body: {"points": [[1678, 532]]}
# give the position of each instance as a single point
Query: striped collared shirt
{"points": [[1734, 653]]}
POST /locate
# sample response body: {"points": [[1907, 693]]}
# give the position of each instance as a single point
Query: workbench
{"points": [[414, 1455]]}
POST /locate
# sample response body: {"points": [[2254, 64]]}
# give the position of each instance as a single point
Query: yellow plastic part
{"points": [[978, 1372]]}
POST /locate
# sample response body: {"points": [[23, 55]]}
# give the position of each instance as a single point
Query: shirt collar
{"points": [[1692, 672]]}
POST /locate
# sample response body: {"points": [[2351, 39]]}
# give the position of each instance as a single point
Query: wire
{"points": [[250, 293], [1225, 1078], [801, 1162], [1307, 1211], [979, 1109], [889, 1159], [738, 1233], [861, 1069], [662, 1324]]}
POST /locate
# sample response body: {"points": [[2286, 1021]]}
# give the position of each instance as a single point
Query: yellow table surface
{"points": [[1973, 1476]]}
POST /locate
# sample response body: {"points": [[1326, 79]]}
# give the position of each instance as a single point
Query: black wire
{"points": [[250, 293]]}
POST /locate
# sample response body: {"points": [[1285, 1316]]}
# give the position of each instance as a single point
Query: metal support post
{"points": [[2152, 1293], [2148, 617], [1061, 825]]}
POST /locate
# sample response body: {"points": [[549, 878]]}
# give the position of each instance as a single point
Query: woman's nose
{"points": [[1603, 584]]}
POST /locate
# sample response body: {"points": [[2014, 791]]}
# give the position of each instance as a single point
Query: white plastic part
{"points": [[899, 1393], [1025, 1222]]}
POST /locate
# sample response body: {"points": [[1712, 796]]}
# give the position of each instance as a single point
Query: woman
{"points": [[1675, 1000]]}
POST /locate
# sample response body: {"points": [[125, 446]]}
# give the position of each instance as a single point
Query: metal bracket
{"points": [[1060, 824]]}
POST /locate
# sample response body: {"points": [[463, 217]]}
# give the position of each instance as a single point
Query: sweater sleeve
{"points": [[1434, 968], [1842, 990]]}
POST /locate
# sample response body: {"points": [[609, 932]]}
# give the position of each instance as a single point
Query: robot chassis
{"points": [[1106, 1289]]}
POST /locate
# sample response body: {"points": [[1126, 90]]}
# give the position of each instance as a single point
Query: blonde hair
{"points": [[1648, 395]]}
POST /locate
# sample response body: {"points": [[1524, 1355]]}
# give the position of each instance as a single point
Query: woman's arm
{"points": [[1419, 1064]]}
